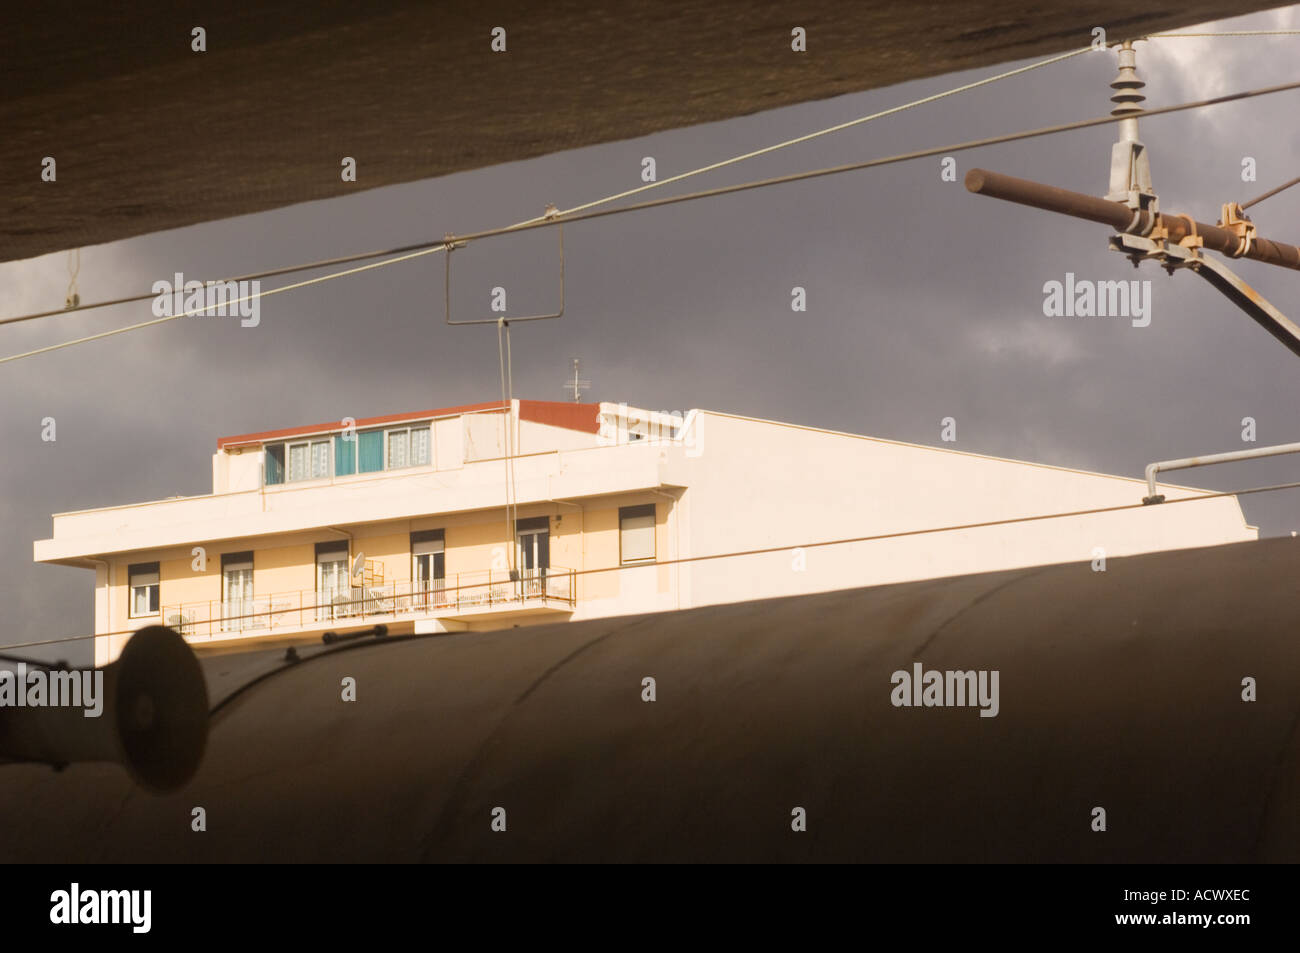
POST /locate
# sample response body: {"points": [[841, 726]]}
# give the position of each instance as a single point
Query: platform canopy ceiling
{"points": [[148, 134]]}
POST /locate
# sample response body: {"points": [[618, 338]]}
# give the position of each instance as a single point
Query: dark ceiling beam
{"points": [[149, 135]]}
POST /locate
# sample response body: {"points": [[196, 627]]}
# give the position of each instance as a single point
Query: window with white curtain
{"points": [[309, 460], [409, 447], [298, 461], [399, 448], [320, 459], [420, 446], [237, 591]]}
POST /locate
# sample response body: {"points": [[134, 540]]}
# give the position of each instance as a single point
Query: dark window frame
{"points": [[155, 597], [438, 564]]}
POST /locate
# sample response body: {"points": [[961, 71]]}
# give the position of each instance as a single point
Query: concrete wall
{"points": [[484, 436], [236, 472], [632, 589], [759, 485], [448, 443], [536, 437]]}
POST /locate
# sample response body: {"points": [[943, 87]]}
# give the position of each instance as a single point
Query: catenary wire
{"points": [[1259, 198], [1174, 36], [564, 218], [348, 259]]}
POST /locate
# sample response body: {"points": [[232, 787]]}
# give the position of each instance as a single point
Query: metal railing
{"points": [[1186, 463], [307, 608]]}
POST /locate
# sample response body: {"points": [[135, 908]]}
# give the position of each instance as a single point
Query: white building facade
{"points": [[494, 515]]}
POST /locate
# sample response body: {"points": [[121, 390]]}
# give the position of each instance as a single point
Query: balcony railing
{"points": [[307, 608]]}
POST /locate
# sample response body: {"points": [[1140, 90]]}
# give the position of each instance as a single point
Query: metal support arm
{"points": [[1219, 275]]}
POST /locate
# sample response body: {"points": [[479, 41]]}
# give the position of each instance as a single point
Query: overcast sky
{"points": [[924, 302]]}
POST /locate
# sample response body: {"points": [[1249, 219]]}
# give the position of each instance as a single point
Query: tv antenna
{"points": [[578, 384]]}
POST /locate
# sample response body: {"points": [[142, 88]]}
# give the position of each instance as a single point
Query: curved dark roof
{"points": [[1120, 688]]}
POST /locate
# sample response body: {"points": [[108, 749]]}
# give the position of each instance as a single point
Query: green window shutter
{"points": [[345, 456], [274, 464], [370, 451]]}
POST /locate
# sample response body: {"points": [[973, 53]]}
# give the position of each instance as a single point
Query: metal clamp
{"points": [[1234, 219], [1170, 257], [1192, 239], [451, 243], [1187, 254]]}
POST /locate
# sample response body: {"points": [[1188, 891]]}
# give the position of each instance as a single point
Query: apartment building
{"points": [[491, 515]]}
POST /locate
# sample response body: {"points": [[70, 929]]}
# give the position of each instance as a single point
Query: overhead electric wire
{"points": [[1259, 198], [347, 259], [837, 128], [983, 524], [565, 218], [1168, 36], [433, 247]]}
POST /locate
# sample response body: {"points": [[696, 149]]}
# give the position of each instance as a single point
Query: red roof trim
{"points": [[583, 417], [244, 440]]}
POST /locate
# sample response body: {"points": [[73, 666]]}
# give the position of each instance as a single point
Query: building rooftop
{"points": [[581, 417]]}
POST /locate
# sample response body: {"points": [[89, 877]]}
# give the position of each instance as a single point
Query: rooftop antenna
{"points": [[578, 384]]}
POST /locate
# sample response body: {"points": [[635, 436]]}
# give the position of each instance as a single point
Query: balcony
{"points": [[472, 594]]}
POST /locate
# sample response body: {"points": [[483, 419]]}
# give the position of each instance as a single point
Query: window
{"points": [[309, 460], [274, 464], [143, 579], [636, 533], [399, 448], [333, 580], [370, 451], [345, 455], [428, 568], [408, 448], [320, 459], [298, 461], [237, 591], [534, 538], [420, 446]]}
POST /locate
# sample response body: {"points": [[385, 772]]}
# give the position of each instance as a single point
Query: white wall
{"points": [[759, 485], [236, 472], [484, 436], [448, 443], [534, 437]]}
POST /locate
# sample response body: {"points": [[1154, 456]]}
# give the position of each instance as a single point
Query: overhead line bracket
{"points": [[451, 244]]}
